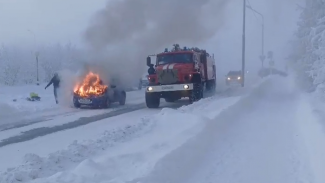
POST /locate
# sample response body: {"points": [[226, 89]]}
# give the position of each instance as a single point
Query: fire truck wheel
{"points": [[214, 84], [152, 100], [208, 85], [197, 93], [211, 85]]}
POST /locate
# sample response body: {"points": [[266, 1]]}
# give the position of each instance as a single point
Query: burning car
{"points": [[92, 92]]}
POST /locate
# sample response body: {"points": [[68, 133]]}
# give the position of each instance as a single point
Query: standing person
{"points": [[151, 69], [56, 84]]}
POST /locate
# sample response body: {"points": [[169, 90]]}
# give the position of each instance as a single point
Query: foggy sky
{"points": [[55, 21], [51, 21]]}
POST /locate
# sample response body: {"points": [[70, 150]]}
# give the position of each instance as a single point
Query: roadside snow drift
{"points": [[19, 113], [270, 136], [15, 97], [121, 154], [312, 127]]}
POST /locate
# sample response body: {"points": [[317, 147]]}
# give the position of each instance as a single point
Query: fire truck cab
{"points": [[180, 73]]}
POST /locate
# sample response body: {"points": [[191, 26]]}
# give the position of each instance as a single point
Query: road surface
{"points": [[67, 123], [256, 140]]}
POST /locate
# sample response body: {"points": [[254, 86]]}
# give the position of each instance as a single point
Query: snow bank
{"points": [[121, 154], [7, 110], [313, 136], [251, 140], [78, 154], [210, 107], [16, 109], [137, 158], [37, 167], [15, 98]]}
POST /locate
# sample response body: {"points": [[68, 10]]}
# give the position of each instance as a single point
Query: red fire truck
{"points": [[179, 73]]}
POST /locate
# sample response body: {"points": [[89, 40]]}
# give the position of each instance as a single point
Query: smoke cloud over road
{"points": [[121, 35]]}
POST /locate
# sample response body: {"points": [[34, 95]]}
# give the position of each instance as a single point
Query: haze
{"points": [[51, 21], [176, 125], [67, 21]]}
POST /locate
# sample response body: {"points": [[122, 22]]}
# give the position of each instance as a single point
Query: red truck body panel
{"points": [[201, 63]]}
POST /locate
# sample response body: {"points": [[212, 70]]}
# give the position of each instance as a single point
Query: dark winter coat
{"points": [[151, 70], [55, 81]]}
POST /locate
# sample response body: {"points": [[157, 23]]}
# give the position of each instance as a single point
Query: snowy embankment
{"points": [[272, 135], [22, 112], [129, 147], [312, 128], [14, 97]]}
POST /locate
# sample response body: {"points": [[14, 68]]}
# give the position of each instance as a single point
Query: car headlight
{"points": [[239, 78], [149, 88], [186, 87], [228, 78]]}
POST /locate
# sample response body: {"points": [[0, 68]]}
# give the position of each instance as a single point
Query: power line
{"points": [[262, 57], [249, 4]]}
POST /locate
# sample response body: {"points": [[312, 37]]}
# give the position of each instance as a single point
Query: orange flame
{"points": [[91, 85]]}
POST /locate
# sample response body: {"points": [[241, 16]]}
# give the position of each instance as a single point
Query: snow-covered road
{"points": [[266, 134], [112, 139], [20, 113], [266, 137], [94, 138], [27, 123], [42, 126]]}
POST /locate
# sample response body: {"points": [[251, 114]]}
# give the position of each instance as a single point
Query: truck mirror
{"points": [[148, 61]]}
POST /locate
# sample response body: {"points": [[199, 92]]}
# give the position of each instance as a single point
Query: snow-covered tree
{"points": [[10, 66], [18, 66], [308, 54]]}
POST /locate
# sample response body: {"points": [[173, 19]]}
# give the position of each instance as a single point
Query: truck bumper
{"points": [[169, 88]]}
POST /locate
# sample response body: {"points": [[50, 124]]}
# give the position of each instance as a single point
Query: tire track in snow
{"points": [[38, 132], [43, 131], [252, 141]]}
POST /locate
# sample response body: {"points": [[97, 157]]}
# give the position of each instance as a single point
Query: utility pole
{"points": [[36, 56], [37, 78], [262, 57], [243, 46]]}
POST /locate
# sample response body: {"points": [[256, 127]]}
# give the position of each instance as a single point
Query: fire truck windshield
{"points": [[174, 58]]}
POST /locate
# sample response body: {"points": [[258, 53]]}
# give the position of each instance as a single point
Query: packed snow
{"points": [[267, 132], [272, 135], [17, 111], [137, 134], [270, 132]]}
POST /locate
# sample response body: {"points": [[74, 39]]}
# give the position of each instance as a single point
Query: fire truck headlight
{"points": [[149, 88], [186, 87]]}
